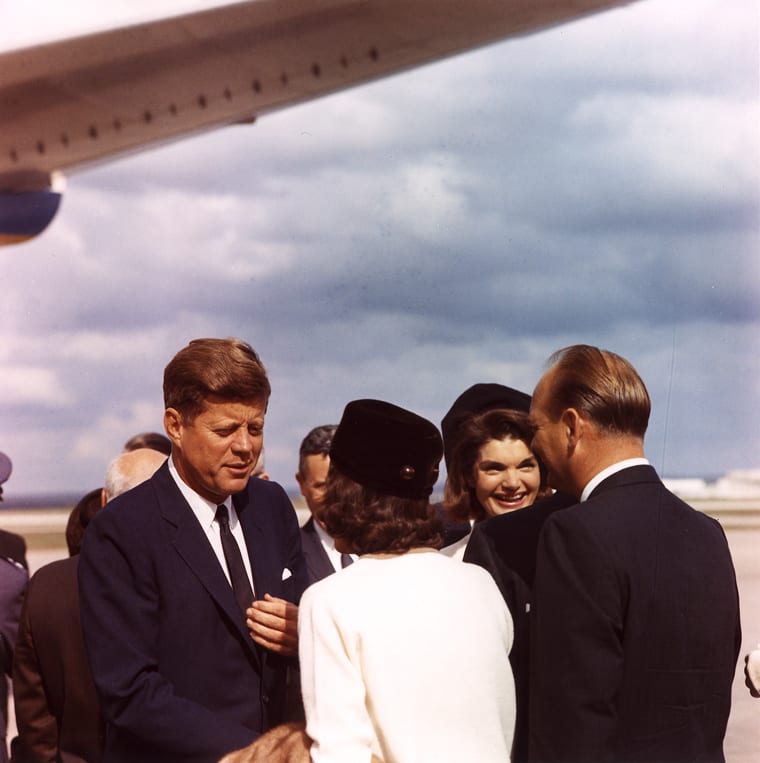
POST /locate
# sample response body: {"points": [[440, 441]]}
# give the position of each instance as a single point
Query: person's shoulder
{"points": [[266, 491], [13, 577], [328, 589], [456, 568], [514, 524], [13, 546], [54, 570], [52, 582]]}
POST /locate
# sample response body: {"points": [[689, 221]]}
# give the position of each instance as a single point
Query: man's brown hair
{"points": [[228, 368], [602, 385]]}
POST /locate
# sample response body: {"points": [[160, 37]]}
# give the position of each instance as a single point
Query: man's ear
{"points": [[173, 425], [573, 426]]}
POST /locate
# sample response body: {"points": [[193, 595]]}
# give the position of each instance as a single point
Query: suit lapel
{"points": [[191, 543], [317, 560], [263, 565]]}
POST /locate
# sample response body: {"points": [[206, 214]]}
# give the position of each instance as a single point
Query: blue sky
{"points": [[598, 183]]}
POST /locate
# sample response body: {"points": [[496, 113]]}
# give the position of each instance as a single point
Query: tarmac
{"points": [[742, 743]]}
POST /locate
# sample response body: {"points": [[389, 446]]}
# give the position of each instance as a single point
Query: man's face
{"points": [[216, 454], [549, 441], [313, 480]]}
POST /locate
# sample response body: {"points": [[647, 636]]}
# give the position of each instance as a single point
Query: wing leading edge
{"points": [[82, 100]]}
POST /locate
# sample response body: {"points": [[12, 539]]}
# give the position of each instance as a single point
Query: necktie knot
{"points": [[222, 515]]}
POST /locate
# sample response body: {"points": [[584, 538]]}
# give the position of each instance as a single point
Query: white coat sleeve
{"points": [[337, 719]]}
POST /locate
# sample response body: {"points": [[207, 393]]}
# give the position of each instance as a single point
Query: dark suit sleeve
{"points": [[121, 612], [481, 550], [576, 652], [13, 581], [37, 740]]}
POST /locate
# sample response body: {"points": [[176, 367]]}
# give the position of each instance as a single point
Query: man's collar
{"points": [[608, 472], [197, 501]]}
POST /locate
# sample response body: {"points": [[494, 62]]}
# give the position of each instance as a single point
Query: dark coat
{"points": [[506, 546], [635, 629], [57, 709], [178, 674], [318, 564], [13, 547], [13, 583]]}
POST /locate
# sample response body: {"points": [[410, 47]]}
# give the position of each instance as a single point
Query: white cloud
{"points": [[29, 385]]}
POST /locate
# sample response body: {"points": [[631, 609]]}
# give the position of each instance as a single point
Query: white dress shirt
{"points": [[205, 513]]}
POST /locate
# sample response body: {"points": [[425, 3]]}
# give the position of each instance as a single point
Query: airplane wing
{"points": [[71, 103]]}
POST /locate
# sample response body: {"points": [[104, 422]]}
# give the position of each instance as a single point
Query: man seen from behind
{"points": [[635, 632]]}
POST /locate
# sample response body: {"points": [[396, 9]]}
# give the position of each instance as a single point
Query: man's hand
{"points": [[274, 625]]}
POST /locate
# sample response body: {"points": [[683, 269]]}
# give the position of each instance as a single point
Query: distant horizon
{"points": [[45, 499]]}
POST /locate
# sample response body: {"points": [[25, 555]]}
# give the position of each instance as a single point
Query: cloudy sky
{"points": [[594, 183]]}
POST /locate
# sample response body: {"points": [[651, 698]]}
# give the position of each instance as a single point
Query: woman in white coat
{"points": [[404, 653]]}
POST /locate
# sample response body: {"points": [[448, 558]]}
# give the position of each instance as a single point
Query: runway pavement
{"points": [[743, 735]]}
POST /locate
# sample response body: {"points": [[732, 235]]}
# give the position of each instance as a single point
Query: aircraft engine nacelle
{"points": [[24, 214]]}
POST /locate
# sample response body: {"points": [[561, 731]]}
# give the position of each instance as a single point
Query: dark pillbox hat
{"points": [[387, 448], [476, 399]]}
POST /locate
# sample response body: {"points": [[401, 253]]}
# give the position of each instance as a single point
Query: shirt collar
{"points": [[608, 472], [327, 540], [204, 509]]}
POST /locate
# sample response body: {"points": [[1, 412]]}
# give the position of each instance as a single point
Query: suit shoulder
{"points": [[53, 571], [269, 501], [267, 490], [13, 546]]}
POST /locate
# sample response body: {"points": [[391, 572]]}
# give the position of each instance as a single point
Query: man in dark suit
{"points": [[13, 582], [57, 710], [322, 558], [168, 572], [635, 607], [12, 546]]}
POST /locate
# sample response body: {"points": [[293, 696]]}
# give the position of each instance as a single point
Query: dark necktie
{"points": [[241, 586], [345, 560]]}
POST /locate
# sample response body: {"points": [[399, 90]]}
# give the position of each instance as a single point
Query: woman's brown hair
{"points": [[365, 521]]}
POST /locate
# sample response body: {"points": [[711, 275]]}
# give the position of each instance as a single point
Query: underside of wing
{"points": [[82, 100]]}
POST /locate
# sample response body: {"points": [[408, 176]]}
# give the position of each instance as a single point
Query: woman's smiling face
{"points": [[506, 476]]}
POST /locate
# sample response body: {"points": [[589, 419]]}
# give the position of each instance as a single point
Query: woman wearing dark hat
{"points": [[373, 637], [492, 470]]}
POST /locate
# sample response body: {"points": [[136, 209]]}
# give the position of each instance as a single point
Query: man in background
{"points": [[14, 577], [13, 582], [12, 546], [57, 710], [635, 612], [322, 558]]}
